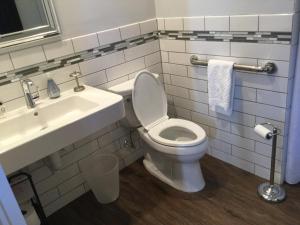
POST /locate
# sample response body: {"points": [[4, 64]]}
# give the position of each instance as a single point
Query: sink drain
{"points": [[35, 113]]}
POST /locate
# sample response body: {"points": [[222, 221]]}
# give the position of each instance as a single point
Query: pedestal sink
{"points": [[27, 135]]}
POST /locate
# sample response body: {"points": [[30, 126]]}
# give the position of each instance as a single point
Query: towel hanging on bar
{"points": [[220, 86]]}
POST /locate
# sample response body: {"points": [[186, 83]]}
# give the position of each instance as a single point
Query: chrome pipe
{"points": [[268, 68], [273, 157], [31, 93]]}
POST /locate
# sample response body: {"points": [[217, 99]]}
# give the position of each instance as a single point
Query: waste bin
{"points": [[102, 175]]}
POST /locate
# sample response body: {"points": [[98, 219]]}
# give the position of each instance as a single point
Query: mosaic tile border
{"points": [[229, 36], [50, 65], [54, 64]]}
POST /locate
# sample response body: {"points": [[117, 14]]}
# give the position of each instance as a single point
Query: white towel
{"points": [[220, 86]]}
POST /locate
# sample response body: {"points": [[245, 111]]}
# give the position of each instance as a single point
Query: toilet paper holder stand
{"points": [[269, 191]]}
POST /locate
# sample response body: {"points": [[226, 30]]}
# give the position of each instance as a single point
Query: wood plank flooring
{"points": [[229, 198]]}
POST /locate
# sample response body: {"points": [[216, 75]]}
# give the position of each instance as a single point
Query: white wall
{"points": [[79, 17], [182, 8]]}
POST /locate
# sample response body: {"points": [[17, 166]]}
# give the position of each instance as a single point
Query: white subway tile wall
{"points": [[130, 31], [174, 24], [141, 50], [244, 23], [258, 97], [282, 23], [217, 23], [208, 48], [28, 57], [261, 51], [58, 49], [194, 23], [148, 26], [160, 23], [109, 36], [172, 45], [85, 42], [5, 63]]}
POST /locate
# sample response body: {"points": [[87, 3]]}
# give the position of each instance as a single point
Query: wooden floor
{"points": [[229, 198]]}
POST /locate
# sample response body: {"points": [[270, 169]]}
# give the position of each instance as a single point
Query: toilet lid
{"points": [[149, 100]]}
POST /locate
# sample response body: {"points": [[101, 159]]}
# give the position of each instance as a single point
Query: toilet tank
{"points": [[125, 89]]}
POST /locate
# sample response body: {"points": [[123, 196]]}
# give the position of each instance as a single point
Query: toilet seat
{"points": [[149, 100], [177, 133], [150, 106]]}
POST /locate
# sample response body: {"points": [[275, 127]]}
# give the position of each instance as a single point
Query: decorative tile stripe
{"points": [[252, 37], [50, 65]]}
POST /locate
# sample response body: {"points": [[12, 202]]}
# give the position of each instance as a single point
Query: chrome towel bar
{"points": [[268, 68]]}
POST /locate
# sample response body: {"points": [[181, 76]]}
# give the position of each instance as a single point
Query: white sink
{"points": [[27, 135]]}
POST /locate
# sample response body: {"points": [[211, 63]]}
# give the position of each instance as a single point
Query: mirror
{"points": [[26, 21]]}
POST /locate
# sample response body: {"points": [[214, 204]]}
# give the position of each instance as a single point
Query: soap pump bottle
{"points": [[52, 88]]}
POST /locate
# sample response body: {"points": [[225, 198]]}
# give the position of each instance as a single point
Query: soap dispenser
{"points": [[52, 88]]}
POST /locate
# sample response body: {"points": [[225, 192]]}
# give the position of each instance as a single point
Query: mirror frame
{"points": [[45, 36]]}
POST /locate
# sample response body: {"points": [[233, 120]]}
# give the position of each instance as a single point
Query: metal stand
{"points": [[270, 191], [35, 200]]}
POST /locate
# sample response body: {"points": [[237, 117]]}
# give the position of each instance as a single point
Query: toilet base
{"points": [[186, 177]]}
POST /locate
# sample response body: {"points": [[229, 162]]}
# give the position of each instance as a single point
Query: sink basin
{"points": [[27, 135], [24, 125]]}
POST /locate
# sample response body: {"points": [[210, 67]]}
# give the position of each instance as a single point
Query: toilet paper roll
{"points": [[263, 131]]}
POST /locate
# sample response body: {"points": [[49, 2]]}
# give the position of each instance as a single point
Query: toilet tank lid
{"points": [[125, 88]]}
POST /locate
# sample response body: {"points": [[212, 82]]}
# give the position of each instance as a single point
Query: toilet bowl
{"points": [[176, 144]]}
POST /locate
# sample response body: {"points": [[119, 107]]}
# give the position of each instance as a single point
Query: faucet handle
{"points": [[36, 95], [35, 91]]}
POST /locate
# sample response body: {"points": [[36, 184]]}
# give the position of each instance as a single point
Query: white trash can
{"points": [[102, 175]]}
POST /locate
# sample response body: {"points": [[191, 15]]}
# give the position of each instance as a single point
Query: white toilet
{"points": [[177, 144]]}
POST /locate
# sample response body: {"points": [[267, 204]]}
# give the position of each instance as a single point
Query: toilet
{"points": [[176, 144]]}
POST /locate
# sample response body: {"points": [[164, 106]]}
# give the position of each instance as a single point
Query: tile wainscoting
{"points": [[164, 46], [251, 40], [58, 188]]}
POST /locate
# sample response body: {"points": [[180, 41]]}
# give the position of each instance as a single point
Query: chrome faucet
{"points": [[31, 93]]}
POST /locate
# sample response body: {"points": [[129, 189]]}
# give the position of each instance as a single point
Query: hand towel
{"points": [[220, 86]]}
